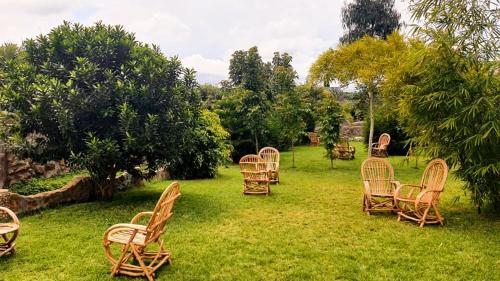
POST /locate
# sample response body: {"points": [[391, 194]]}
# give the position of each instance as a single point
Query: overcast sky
{"points": [[202, 33]]}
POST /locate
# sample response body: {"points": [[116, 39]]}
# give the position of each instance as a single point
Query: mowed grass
{"points": [[310, 228]]}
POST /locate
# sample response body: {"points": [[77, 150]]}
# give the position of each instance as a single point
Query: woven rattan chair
{"points": [[272, 158], [343, 151], [379, 183], [379, 149], [126, 244], [255, 175], [420, 202], [313, 138], [9, 229]]}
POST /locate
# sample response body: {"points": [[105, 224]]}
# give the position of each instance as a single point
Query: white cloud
{"points": [[202, 33], [205, 65]]}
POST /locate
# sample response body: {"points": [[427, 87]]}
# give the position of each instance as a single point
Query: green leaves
{"points": [[449, 95], [137, 106]]}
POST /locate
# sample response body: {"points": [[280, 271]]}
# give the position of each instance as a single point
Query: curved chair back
{"points": [[379, 173], [162, 212], [313, 138], [384, 140], [434, 178], [253, 167], [342, 144], [271, 156]]}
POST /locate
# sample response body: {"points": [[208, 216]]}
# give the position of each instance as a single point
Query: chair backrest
{"points": [[434, 178], [378, 172], [384, 140], [162, 212], [313, 137], [253, 167], [342, 144], [271, 156]]}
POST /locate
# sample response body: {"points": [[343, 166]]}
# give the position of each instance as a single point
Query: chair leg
{"points": [[438, 214], [138, 256], [424, 216], [116, 268]]}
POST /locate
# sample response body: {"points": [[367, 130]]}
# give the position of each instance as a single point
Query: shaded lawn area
{"points": [[310, 228]]}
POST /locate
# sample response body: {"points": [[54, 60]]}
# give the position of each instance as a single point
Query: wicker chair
{"points": [[379, 149], [379, 183], [420, 202], [313, 138], [255, 175], [272, 158], [343, 151], [125, 244], [8, 231]]}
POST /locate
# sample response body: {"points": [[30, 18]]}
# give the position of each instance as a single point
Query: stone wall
{"points": [[80, 189], [13, 170], [352, 131]]}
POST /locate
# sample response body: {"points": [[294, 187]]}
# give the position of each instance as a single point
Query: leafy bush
{"points": [[449, 91], [115, 103], [389, 123], [206, 149]]}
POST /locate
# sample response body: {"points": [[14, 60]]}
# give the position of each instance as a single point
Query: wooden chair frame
{"points": [[422, 207], [343, 151], [379, 149], [272, 158], [8, 232], [255, 175], [135, 239], [313, 138], [379, 185]]}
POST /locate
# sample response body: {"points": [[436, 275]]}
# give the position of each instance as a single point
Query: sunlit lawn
{"points": [[310, 228]]}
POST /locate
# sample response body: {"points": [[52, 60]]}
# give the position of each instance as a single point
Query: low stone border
{"points": [[79, 189]]}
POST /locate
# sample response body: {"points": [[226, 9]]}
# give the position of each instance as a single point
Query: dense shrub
{"points": [[205, 149], [108, 100], [389, 123]]}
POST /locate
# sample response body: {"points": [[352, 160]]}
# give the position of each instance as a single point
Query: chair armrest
{"points": [[367, 187], [405, 189], [139, 216], [425, 197], [11, 214], [375, 145]]}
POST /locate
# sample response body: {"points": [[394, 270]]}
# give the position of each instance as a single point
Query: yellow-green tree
{"points": [[363, 62]]}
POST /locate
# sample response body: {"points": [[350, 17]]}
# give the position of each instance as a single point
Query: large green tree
{"points": [[364, 62], [375, 18], [248, 71], [111, 102]]}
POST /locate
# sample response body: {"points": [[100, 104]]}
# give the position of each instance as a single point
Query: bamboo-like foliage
{"points": [[449, 90]]}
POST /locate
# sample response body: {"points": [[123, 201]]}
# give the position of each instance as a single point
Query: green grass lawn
{"points": [[310, 228]]}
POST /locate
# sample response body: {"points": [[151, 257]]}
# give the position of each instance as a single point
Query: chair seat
{"points": [[8, 228], [122, 235], [382, 195]]}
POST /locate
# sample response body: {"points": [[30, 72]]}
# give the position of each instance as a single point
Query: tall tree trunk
{"points": [[256, 143], [372, 124], [293, 156]]}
